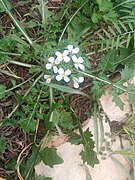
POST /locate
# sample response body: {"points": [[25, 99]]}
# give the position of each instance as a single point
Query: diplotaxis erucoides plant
{"points": [[64, 66]]}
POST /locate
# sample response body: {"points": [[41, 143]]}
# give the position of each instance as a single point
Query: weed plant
{"points": [[55, 45]]}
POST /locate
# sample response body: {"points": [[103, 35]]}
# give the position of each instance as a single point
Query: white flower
{"points": [[48, 78], [77, 81], [62, 56], [63, 75], [52, 64], [78, 62], [72, 50]]}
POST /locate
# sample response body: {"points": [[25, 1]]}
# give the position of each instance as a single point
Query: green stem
{"points": [[8, 53], [20, 63], [106, 82]]}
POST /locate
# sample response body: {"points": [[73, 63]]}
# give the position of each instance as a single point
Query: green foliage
{"points": [[88, 154], [100, 24], [2, 144], [2, 89], [49, 157]]}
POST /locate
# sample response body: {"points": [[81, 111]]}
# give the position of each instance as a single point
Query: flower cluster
{"points": [[62, 67]]}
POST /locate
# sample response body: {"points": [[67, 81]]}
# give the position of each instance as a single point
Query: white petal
{"points": [[81, 66], [74, 58], [65, 53], [58, 53], [46, 76], [59, 58], [80, 60], [61, 71], [58, 77], [66, 59], [66, 79], [70, 47], [80, 79], [48, 66], [76, 85], [51, 59], [67, 72], [57, 61], [76, 66], [55, 69], [48, 80], [75, 50]]}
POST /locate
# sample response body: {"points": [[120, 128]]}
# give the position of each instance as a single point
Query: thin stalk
{"points": [[9, 74], [95, 127], [71, 20], [51, 96], [20, 63], [16, 23], [8, 53], [106, 82]]}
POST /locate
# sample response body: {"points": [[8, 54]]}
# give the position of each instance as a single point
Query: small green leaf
{"points": [[2, 144], [131, 93], [89, 156], [49, 157], [75, 139], [43, 178], [2, 89], [117, 100], [26, 125]]}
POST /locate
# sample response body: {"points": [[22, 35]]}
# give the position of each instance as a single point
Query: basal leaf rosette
{"points": [[63, 67]]}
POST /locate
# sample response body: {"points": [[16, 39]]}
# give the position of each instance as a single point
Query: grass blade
{"points": [[122, 167], [65, 89]]}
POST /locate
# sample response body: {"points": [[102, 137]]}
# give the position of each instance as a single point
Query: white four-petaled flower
{"points": [[72, 50], [52, 64], [63, 75], [78, 62], [48, 78], [77, 81], [62, 56]]}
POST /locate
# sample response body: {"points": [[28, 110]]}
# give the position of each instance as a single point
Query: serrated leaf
{"points": [[131, 93], [75, 139], [26, 125], [88, 154], [49, 157], [117, 100], [2, 144], [127, 74]]}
